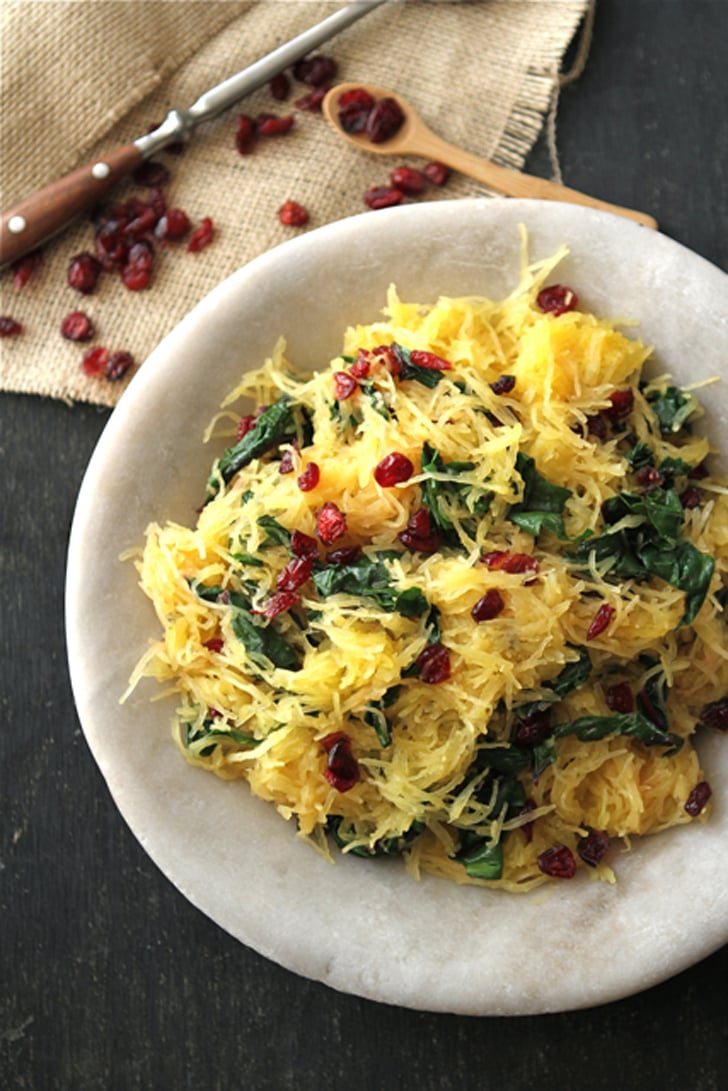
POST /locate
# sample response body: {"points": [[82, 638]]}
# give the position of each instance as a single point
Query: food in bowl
{"points": [[459, 596]]}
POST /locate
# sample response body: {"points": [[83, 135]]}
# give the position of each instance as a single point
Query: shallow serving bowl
{"points": [[363, 926]]}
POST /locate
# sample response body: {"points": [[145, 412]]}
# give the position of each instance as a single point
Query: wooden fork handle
{"points": [[38, 217]]}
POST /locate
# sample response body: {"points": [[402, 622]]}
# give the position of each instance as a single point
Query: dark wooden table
{"points": [[108, 977]]}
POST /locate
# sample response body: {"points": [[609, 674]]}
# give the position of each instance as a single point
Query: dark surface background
{"points": [[108, 977]]}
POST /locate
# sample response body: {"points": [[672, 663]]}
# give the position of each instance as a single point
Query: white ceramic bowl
{"points": [[364, 926]]}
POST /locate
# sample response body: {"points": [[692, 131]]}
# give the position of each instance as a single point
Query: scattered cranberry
{"points": [[246, 134], [345, 555], [383, 197], [202, 236], [9, 327], [355, 106], [698, 798], [244, 426], [137, 273], [596, 426], [111, 245], [118, 364], [532, 729], [362, 365], [649, 477], [690, 497], [557, 299], [83, 272], [344, 385], [504, 384], [489, 606], [278, 604], [715, 715], [285, 466], [433, 664], [410, 181], [24, 268], [620, 698], [303, 545], [699, 472], [280, 87], [357, 95], [593, 847], [312, 100], [342, 770], [600, 621], [215, 644], [270, 125], [436, 173], [418, 535], [151, 174], [310, 478], [385, 119], [296, 572], [330, 523], [622, 403], [173, 225], [315, 70], [393, 469], [292, 214], [501, 560], [429, 360], [558, 862], [94, 362]]}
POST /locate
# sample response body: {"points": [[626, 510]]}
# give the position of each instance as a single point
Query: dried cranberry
{"points": [[277, 604], [436, 173], [410, 181], [504, 384], [137, 273], [621, 404], [310, 477], [600, 621], [433, 664], [94, 362], [330, 523], [697, 473], [280, 87], [111, 246], [527, 827], [292, 214], [557, 299], [118, 364], [715, 715], [24, 268], [9, 327], [596, 426], [285, 466], [558, 862], [393, 469], [215, 644], [383, 197], [429, 360], [357, 95], [202, 236], [489, 606], [649, 477], [303, 545], [619, 697], [344, 385], [418, 535], [690, 497], [342, 770], [151, 173], [593, 847], [83, 272], [353, 116], [173, 225], [315, 70], [244, 426], [501, 560], [385, 119], [312, 100], [296, 572], [270, 125], [345, 555], [362, 365], [698, 798], [246, 134], [532, 729]]}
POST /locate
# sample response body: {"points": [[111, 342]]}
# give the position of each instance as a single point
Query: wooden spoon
{"points": [[414, 138]]}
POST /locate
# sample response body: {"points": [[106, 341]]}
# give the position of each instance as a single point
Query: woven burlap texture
{"points": [[79, 78]]}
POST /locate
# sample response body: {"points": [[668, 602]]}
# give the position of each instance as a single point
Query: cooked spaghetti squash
{"points": [[460, 595]]}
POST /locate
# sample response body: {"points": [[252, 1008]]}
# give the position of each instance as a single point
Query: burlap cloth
{"points": [[79, 78]]}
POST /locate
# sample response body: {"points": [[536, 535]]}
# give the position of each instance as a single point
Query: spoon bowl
{"points": [[415, 138]]}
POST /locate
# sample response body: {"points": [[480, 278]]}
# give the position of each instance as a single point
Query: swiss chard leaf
{"points": [[632, 724], [543, 503], [483, 860], [369, 577], [672, 407], [275, 532], [280, 421], [208, 737], [427, 376], [262, 641], [570, 678], [473, 499]]}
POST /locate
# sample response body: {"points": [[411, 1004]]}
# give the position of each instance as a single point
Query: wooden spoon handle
{"points": [[513, 183], [44, 213]]}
